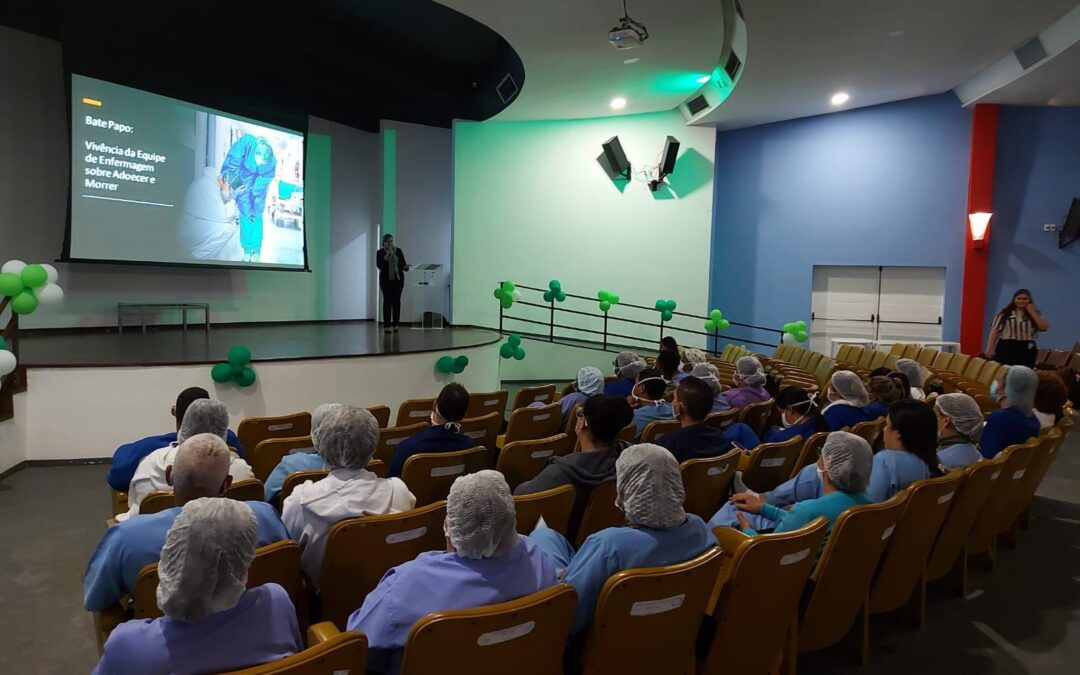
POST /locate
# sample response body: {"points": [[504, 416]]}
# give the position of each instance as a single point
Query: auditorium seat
{"points": [[335, 653], [255, 430], [530, 423], [654, 430], [413, 411], [381, 413], [756, 416], [600, 512], [870, 431], [647, 619], [1023, 491], [707, 482], [770, 464], [555, 505], [389, 438], [156, 501], [810, 451], [544, 395], [982, 542], [485, 403], [483, 430], [948, 556], [429, 475], [521, 461], [268, 454]]}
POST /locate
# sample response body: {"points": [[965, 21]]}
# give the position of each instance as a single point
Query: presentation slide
{"points": [[156, 180]]}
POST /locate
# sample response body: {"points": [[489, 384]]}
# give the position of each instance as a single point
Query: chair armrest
{"points": [[321, 632], [729, 539]]}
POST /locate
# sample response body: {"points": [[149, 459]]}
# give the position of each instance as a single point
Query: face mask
{"points": [[649, 401], [820, 473]]}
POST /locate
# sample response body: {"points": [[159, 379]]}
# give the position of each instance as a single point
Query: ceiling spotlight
{"points": [[632, 59], [703, 79], [839, 98], [618, 103]]}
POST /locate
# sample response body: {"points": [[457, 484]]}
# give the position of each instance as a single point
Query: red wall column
{"points": [[980, 198]]}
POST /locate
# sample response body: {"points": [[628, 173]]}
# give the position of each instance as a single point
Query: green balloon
{"points": [[506, 303], [800, 325], [460, 363], [613, 299], [789, 327], [519, 353], [11, 285], [560, 296], [659, 306], [716, 315], [239, 355], [724, 324], [554, 284], [221, 373], [498, 294], [3, 344], [605, 306], [445, 364], [548, 296], [667, 315], [801, 336], [508, 286], [34, 276], [506, 351], [24, 303], [246, 378], [710, 325], [514, 340], [671, 305]]}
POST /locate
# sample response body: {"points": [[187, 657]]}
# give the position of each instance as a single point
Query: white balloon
{"points": [[7, 362], [49, 294], [790, 339], [517, 296], [54, 276], [13, 267]]}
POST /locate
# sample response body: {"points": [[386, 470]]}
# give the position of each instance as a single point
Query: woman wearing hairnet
{"points": [[590, 382], [486, 562], [647, 400], [1014, 423], [750, 386], [799, 416], [690, 358], [627, 366], [910, 452], [710, 375], [847, 398], [211, 623], [960, 424], [295, 461], [913, 371], [657, 532], [844, 468]]}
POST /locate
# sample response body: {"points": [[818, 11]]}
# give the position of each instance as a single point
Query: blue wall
{"points": [[1036, 176], [885, 185]]}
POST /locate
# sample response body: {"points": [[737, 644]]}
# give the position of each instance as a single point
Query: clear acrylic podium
{"points": [[429, 293]]}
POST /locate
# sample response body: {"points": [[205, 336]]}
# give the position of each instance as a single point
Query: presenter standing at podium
{"points": [[392, 268]]}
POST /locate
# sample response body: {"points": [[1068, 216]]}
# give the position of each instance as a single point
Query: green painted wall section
{"points": [[389, 200]]}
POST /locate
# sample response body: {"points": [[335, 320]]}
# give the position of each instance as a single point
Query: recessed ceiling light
{"points": [[839, 98], [703, 79], [632, 59], [618, 103]]}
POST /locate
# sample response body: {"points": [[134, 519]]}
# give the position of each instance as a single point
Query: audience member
{"points": [[847, 398], [750, 386], [960, 424], [1015, 422], [668, 344], [444, 434], [200, 469], [690, 358], [486, 562], [710, 375], [910, 452], [668, 364], [883, 392], [203, 416], [914, 373], [799, 416], [648, 400], [346, 440], [658, 531], [627, 366], [695, 439], [1071, 378], [599, 421], [127, 457], [1051, 395], [211, 623], [305, 460], [590, 382]]}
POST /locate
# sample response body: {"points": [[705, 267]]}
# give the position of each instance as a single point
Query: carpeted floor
{"points": [[1022, 618]]}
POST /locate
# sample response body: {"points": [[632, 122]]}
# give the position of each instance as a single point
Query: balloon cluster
{"points": [[607, 299], [507, 294], [29, 285], [554, 292], [450, 364], [795, 332], [717, 320], [666, 309], [512, 348], [7, 359], [237, 369]]}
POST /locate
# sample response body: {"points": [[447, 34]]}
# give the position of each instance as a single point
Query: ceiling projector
{"points": [[629, 33]]}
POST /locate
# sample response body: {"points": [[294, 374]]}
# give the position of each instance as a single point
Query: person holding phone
{"points": [[1015, 330], [392, 268]]}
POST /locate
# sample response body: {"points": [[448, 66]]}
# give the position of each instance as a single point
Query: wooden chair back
{"points": [[255, 430], [268, 454], [770, 464], [528, 424], [982, 539], [647, 620], [249, 490], [627, 433], [987, 403], [723, 420], [756, 416], [866, 358], [429, 475], [529, 633], [570, 428], [390, 437], [898, 349], [824, 372], [484, 403], [600, 512], [298, 478], [381, 413], [157, 501], [902, 572], [707, 482], [758, 599], [1024, 490], [843, 573], [524, 460], [543, 394], [359, 551], [950, 546], [810, 452], [843, 353], [343, 653], [942, 360], [555, 505], [483, 430], [877, 360], [654, 430], [870, 430], [413, 411], [926, 356], [910, 351]]}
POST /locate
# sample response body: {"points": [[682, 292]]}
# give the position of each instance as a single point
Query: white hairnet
{"points": [[694, 356], [204, 416], [205, 560], [750, 371], [1020, 386], [346, 437], [650, 488], [848, 460], [628, 365], [480, 518], [963, 412], [590, 380], [849, 387], [321, 412], [709, 374], [912, 370]]}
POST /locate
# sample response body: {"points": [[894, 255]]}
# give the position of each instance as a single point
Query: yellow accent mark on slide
{"points": [[91, 101]]}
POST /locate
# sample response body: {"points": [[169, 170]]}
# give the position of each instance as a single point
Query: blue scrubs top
{"points": [[805, 485], [1006, 427], [875, 409], [958, 455], [801, 514], [894, 470], [432, 439], [806, 429], [620, 387], [291, 463], [127, 457], [841, 414], [652, 413]]}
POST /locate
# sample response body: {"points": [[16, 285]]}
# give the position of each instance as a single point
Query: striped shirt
{"points": [[1017, 326]]}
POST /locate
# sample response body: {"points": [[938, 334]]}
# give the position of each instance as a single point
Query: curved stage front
{"points": [[89, 393]]}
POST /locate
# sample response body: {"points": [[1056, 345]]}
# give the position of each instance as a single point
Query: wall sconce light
{"points": [[979, 223]]}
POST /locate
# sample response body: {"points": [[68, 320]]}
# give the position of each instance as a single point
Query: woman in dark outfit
{"points": [[392, 268], [1015, 330]]}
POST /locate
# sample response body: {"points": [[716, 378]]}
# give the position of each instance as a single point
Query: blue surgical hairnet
{"points": [[590, 380], [1020, 386], [650, 488]]}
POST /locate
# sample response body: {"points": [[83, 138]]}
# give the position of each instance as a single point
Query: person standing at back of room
{"points": [[392, 268], [1015, 330]]}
